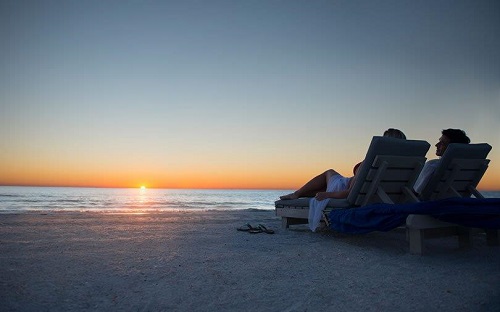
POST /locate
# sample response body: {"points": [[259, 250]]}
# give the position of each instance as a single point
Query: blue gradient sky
{"points": [[236, 93]]}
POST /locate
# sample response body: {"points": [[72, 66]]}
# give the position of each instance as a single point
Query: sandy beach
{"points": [[197, 261]]}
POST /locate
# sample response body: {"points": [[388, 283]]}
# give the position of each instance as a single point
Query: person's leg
{"points": [[315, 185]]}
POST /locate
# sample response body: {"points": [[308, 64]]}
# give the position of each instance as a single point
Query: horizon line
{"points": [[147, 188], [174, 188]]}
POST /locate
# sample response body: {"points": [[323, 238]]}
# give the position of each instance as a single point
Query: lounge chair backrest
{"points": [[400, 161], [459, 171]]}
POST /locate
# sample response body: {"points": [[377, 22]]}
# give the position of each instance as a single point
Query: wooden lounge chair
{"points": [[460, 169], [387, 175]]}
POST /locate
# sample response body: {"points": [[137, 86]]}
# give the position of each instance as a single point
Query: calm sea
{"points": [[15, 199]]}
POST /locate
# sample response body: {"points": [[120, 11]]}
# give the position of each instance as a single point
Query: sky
{"points": [[236, 94]]}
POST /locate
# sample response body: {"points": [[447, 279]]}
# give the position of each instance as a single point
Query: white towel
{"points": [[335, 184]]}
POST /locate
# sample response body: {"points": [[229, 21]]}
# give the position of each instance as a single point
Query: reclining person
{"points": [[447, 136]]}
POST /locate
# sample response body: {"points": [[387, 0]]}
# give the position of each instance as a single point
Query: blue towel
{"points": [[470, 212]]}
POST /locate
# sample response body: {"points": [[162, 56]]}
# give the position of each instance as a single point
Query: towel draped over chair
{"points": [[469, 212]]}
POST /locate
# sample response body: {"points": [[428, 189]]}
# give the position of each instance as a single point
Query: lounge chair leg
{"points": [[464, 238], [492, 237], [416, 240], [284, 223], [325, 219]]}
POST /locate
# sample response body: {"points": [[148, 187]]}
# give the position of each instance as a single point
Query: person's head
{"points": [[394, 133], [450, 136]]}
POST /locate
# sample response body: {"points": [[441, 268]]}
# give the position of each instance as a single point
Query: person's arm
{"points": [[325, 195], [425, 175]]}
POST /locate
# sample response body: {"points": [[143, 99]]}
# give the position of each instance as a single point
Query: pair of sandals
{"points": [[254, 230]]}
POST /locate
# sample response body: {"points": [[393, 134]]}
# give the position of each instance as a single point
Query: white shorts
{"points": [[337, 183]]}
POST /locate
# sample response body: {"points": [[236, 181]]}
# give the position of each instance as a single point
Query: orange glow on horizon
{"points": [[277, 175]]}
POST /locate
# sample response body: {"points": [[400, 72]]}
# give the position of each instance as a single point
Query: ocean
{"points": [[16, 199]]}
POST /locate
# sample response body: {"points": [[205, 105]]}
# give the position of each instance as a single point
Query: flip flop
{"points": [[255, 230], [265, 230], [246, 228]]}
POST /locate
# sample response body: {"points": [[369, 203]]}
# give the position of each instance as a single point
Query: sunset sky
{"points": [[236, 94]]}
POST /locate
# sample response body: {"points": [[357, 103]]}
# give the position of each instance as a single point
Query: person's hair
{"points": [[394, 133], [456, 136], [356, 168]]}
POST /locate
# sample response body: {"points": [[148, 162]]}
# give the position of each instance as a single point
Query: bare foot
{"points": [[289, 196]]}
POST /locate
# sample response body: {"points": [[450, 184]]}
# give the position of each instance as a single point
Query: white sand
{"points": [[197, 261]]}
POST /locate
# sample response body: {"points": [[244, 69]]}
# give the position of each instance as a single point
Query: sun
{"points": [[143, 187]]}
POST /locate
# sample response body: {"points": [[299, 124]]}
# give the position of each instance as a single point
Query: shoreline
{"points": [[132, 212], [196, 260]]}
